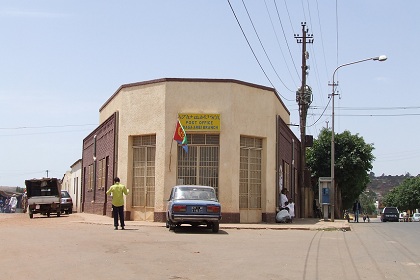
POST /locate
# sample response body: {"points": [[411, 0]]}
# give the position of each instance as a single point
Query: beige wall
{"points": [[153, 109]]}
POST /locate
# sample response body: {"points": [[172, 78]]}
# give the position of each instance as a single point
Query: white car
{"points": [[416, 217]]}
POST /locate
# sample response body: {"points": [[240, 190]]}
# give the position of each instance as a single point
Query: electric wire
{"points": [[252, 50], [278, 43], [285, 38], [262, 46], [322, 114]]}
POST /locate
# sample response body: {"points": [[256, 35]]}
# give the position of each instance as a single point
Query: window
{"points": [[144, 151], [102, 173], [90, 178], [250, 173], [200, 166], [286, 176]]}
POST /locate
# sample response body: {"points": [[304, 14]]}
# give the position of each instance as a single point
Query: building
{"points": [[71, 183], [238, 142]]}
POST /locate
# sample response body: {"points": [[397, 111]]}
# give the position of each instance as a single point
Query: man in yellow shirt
{"points": [[117, 190]]}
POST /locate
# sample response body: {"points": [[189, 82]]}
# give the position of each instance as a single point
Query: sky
{"points": [[61, 60]]}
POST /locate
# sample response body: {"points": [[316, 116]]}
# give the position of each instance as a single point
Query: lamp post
{"points": [[378, 58]]}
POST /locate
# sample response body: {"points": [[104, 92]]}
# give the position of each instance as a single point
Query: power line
{"points": [[259, 39], [255, 56], [285, 38], [278, 43], [374, 108], [322, 114], [376, 115]]}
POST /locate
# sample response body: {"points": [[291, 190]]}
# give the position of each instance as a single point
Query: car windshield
{"points": [[391, 210], [65, 194], [195, 193]]}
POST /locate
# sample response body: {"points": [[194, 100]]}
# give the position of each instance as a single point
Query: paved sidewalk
{"points": [[298, 224]]}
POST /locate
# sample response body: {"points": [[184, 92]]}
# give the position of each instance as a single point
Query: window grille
{"points": [[143, 189], [200, 166], [250, 173]]}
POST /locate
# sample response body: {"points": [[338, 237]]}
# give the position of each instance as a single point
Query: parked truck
{"points": [[43, 196]]}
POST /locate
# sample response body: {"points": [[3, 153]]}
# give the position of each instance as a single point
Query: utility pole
{"points": [[304, 99]]}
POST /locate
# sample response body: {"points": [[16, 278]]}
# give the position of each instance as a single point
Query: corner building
{"points": [[238, 142]]}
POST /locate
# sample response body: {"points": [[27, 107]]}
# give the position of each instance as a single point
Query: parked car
{"points": [[66, 202], [194, 205], [401, 218], [390, 214], [416, 217]]}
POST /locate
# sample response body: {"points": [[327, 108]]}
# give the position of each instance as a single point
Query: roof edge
{"points": [[162, 80]]}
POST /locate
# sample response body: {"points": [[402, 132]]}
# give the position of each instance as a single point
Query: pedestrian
{"points": [[283, 199], [13, 203], [291, 206], [117, 190], [356, 209]]}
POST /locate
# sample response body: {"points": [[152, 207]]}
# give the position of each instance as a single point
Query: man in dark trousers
{"points": [[117, 190], [356, 209]]}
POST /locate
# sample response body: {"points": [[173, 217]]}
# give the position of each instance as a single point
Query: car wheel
{"points": [[171, 225], [31, 216], [167, 224], [215, 227], [71, 211], [48, 214]]}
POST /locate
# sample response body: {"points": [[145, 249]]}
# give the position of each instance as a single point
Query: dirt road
{"points": [[69, 248]]}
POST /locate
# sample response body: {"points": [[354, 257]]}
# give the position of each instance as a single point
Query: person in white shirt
{"points": [[283, 198]]}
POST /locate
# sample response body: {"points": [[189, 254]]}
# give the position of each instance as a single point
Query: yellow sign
{"points": [[200, 122]]}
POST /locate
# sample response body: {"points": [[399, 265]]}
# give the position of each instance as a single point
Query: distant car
{"points": [[401, 218], [66, 202], [194, 205], [416, 217], [390, 214]]}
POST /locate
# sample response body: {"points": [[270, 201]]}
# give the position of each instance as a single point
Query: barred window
{"points": [[90, 178], [144, 152], [250, 173], [200, 166], [102, 172]]}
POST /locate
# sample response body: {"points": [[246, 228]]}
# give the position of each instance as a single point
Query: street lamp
{"points": [[378, 58]]}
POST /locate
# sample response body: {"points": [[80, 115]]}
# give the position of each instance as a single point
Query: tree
{"points": [[406, 196], [353, 162], [367, 200]]}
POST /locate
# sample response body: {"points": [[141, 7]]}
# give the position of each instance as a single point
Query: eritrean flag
{"points": [[180, 136]]}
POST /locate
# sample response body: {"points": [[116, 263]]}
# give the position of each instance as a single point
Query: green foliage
{"points": [[353, 161], [367, 201], [405, 196]]}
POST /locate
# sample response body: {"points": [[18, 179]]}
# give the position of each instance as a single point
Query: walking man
{"points": [[356, 209], [117, 190]]}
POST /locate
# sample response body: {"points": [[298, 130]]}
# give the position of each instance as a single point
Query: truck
{"points": [[43, 196]]}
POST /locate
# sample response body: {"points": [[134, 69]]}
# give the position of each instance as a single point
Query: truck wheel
{"points": [[31, 216], [58, 213], [48, 214]]}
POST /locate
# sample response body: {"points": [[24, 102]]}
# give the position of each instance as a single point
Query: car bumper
{"points": [[193, 218], [67, 206]]}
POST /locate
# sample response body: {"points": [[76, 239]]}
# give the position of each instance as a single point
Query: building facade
{"points": [[238, 142], [71, 182]]}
